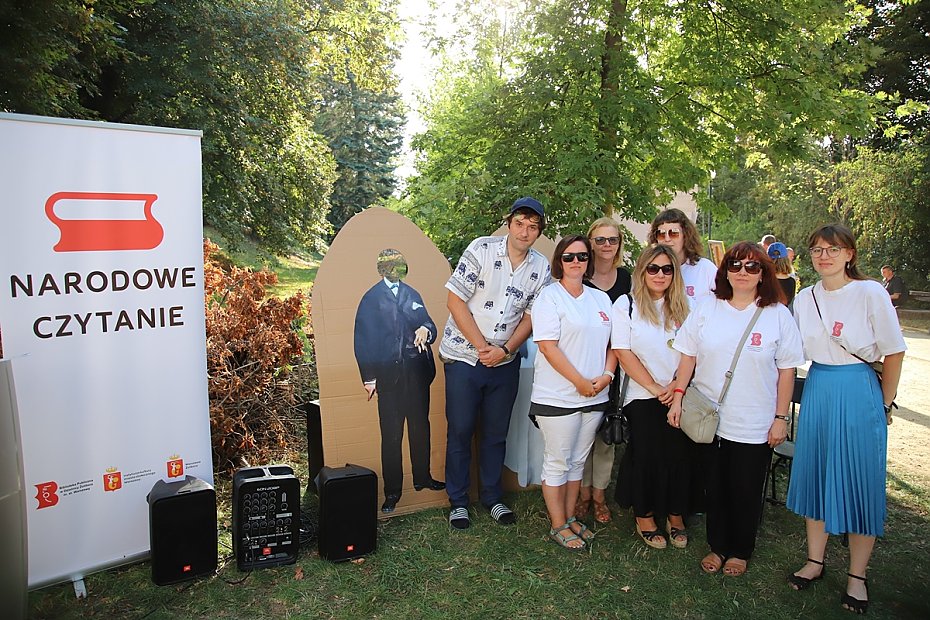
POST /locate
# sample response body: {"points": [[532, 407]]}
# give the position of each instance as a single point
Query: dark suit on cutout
{"points": [[386, 353]]}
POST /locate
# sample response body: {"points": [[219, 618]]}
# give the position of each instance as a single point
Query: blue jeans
{"points": [[478, 395]]}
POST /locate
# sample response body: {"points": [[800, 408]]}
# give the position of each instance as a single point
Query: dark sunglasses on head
{"points": [[609, 240], [570, 257], [752, 266], [652, 269]]}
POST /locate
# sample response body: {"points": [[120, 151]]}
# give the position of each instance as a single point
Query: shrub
{"points": [[253, 341]]}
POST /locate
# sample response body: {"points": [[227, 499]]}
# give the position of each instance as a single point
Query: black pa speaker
{"points": [[348, 512], [266, 516], [182, 530]]}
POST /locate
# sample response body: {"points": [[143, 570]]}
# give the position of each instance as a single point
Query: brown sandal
{"points": [[601, 512], [712, 563], [734, 567], [582, 506]]}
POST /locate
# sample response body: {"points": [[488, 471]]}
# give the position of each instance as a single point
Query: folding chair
{"points": [[783, 453]]}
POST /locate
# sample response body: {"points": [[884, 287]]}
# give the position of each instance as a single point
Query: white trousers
{"points": [[567, 440]]}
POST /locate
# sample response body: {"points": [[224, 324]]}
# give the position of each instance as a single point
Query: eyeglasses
{"points": [[652, 269], [752, 266], [668, 234], [569, 257], [833, 251], [608, 240]]}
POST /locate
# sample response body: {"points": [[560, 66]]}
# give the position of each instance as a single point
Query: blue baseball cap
{"points": [[529, 203], [778, 250]]}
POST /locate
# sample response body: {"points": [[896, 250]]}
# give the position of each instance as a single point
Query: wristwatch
{"points": [[887, 408], [782, 417]]}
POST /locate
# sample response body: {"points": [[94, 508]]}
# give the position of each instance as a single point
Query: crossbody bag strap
{"points": [[739, 349], [840, 344]]}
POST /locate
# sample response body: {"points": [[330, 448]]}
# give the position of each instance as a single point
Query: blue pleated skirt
{"points": [[838, 474]]}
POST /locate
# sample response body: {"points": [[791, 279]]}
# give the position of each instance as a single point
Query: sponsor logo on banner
{"points": [[112, 480], [46, 494], [175, 466], [88, 232]]}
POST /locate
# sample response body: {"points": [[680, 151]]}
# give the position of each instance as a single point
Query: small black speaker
{"points": [[182, 530], [266, 516], [348, 512]]}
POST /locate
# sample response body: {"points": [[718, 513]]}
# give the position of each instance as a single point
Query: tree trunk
{"points": [[610, 87]]}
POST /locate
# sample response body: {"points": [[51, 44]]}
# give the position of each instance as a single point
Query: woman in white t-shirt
{"points": [[754, 414], [571, 327], [674, 229], [838, 474], [656, 475]]}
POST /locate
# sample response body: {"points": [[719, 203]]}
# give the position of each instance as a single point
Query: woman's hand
{"points": [[664, 393], [778, 431], [585, 387], [674, 414], [600, 383]]}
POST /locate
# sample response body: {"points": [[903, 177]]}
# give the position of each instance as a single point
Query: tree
{"points": [[608, 104], [364, 131]]}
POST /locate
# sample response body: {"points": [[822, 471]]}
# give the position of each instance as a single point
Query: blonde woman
{"points": [[657, 473], [608, 276]]}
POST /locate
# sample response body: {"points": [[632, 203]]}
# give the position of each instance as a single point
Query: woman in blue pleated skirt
{"points": [[838, 476]]}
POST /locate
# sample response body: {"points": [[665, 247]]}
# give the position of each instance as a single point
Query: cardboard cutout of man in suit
{"points": [[393, 333]]}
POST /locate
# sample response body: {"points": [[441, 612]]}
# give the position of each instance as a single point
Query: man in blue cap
{"points": [[491, 292]]}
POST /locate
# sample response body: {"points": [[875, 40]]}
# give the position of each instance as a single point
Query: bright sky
{"points": [[414, 68]]}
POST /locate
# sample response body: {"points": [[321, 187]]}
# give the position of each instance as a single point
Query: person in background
{"points": [[609, 277], [766, 241], [673, 228], [657, 473], [779, 254], [895, 286], [571, 326], [754, 414], [838, 473], [491, 293]]}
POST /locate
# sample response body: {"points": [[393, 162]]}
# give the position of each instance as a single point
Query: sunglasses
{"points": [[608, 240], [668, 234], [652, 269], [569, 257], [752, 266]]}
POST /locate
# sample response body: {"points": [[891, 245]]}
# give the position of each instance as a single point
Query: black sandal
{"points": [[802, 583], [853, 604]]}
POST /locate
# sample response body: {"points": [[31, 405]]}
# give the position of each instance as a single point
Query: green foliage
{"points": [[364, 131], [886, 196], [246, 72], [595, 106]]}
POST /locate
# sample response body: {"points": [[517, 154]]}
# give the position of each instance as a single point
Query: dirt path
{"points": [[909, 435]]}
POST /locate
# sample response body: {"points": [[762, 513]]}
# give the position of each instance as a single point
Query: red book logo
{"points": [[175, 468], [46, 494], [756, 339], [112, 481], [604, 317], [98, 234], [689, 290], [837, 329]]}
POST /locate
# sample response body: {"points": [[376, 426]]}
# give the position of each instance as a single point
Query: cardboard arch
{"points": [[350, 422]]}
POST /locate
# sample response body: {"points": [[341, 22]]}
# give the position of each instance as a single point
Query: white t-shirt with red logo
{"points": [[859, 316], [698, 279], [711, 333], [652, 344], [581, 325]]}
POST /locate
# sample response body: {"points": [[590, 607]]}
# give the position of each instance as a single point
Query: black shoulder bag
{"points": [[615, 427]]}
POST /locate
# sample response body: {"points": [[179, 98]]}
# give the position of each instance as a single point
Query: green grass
{"points": [[423, 569], [296, 272]]}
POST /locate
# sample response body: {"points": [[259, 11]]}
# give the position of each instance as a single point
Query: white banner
{"points": [[101, 293]]}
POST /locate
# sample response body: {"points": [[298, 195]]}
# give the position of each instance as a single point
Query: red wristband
{"points": [[678, 391]]}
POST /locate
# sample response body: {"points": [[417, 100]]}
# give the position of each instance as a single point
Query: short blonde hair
{"points": [[602, 222]]}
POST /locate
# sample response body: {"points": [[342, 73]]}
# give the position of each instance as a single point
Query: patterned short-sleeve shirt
{"points": [[496, 294]]}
